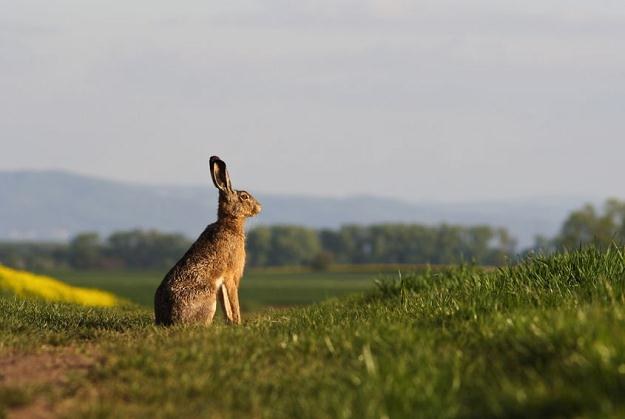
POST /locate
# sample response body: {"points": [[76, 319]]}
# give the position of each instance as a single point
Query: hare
{"points": [[212, 267]]}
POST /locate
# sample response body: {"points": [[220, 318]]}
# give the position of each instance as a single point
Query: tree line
{"points": [[599, 226], [274, 246], [319, 248], [384, 243], [133, 249]]}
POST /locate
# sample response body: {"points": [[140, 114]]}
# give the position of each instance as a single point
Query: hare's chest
{"points": [[235, 259]]}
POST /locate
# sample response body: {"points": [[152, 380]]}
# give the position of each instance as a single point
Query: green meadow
{"points": [[543, 338], [260, 288]]}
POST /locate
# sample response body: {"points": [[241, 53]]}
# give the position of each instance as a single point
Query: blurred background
{"points": [[377, 133]]}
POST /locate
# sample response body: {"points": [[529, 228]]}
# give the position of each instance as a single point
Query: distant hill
{"points": [[55, 205]]}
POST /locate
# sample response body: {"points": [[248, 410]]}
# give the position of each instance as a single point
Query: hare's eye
{"points": [[244, 196]]}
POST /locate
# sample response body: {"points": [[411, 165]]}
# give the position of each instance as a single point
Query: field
{"points": [[259, 288], [545, 338]]}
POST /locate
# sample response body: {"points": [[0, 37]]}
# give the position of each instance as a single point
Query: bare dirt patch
{"points": [[51, 368]]}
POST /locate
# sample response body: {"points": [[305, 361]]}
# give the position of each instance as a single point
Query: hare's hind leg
{"points": [[200, 310], [212, 307]]}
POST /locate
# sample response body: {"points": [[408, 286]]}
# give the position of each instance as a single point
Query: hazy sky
{"points": [[421, 100]]}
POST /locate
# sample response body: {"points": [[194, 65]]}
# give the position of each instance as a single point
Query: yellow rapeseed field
{"points": [[26, 284]]}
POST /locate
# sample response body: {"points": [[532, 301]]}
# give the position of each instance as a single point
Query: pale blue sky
{"points": [[420, 100]]}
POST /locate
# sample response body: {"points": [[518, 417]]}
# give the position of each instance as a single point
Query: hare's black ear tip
{"points": [[214, 159]]}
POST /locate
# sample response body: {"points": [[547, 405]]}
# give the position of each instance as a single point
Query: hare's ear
{"points": [[220, 176]]}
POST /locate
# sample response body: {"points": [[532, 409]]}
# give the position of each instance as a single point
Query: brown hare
{"points": [[212, 268]]}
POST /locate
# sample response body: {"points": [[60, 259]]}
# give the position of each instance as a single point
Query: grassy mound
{"points": [[26, 284], [541, 339]]}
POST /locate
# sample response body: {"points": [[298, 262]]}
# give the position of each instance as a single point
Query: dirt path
{"points": [[47, 373]]}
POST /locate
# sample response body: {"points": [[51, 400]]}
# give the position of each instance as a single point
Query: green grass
{"points": [[259, 289], [545, 338]]}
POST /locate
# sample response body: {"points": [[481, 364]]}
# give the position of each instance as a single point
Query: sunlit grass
{"points": [[544, 338]]}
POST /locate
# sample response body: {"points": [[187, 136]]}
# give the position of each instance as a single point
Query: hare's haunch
{"points": [[212, 267]]}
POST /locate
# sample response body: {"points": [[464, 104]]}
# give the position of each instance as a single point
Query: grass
{"points": [[545, 338]]}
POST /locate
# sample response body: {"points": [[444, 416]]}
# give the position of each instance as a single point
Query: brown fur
{"points": [[213, 266]]}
